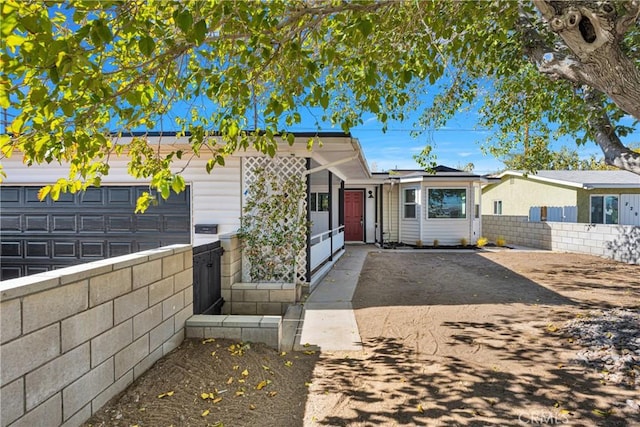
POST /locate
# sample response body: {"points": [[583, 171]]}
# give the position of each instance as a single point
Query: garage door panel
{"points": [[65, 249], [92, 250], [119, 223], [10, 222], [35, 269], [121, 196], [148, 222], [39, 236], [92, 197], [176, 223], [63, 223], [11, 249], [11, 271], [37, 249], [92, 223], [120, 248], [31, 197], [11, 196], [36, 222]]}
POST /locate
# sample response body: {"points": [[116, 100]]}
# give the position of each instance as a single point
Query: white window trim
{"points": [[415, 203], [494, 206], [591, 196], [466, 204]]}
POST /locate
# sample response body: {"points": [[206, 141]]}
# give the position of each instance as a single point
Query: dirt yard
{"points": [[450, 339]]}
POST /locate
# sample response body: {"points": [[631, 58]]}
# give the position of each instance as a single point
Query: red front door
{"points": [[353, 216]]}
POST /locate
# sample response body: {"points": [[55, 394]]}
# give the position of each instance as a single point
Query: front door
{"points": [[353, 216]]}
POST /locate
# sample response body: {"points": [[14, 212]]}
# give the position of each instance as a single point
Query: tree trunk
{"points": [[593, 31], [589, 30]]}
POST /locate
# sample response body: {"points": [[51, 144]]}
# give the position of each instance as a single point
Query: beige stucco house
{"points": [[597, 197]]}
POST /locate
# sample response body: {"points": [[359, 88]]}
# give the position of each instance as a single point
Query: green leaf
{"points": [[147, 45], [199, 32], [365, 27], [184, 20]]}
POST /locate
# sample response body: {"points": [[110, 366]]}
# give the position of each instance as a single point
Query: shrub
{"points": [[482, 241], [500, 241], [464, 242], [436, 243]]}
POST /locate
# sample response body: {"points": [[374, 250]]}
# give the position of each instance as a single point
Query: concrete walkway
{"points": [[327, 321]]}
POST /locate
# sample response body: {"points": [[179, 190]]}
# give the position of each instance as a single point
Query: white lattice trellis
{"points": [[284, 166]]}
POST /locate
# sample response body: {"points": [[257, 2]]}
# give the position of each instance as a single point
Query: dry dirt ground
{"points": [[450, 339]]}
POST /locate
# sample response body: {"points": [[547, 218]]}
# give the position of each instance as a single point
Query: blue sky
{"points": [[455, 145]]}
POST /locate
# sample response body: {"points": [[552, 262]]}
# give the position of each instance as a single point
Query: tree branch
{"points": [[629, 19], [615, 153]]}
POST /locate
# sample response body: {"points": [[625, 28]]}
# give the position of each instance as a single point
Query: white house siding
{"points": [[215, 197], [391, 226], [410, 227], [448, 231]]}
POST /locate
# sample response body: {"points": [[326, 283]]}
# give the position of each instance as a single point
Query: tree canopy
{"points": [[76, 74]]}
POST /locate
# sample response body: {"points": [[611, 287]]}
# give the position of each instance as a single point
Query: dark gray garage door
{"points": [[99, 223]]}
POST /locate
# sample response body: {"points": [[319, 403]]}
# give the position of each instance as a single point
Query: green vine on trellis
{"points": [[274, 225]]}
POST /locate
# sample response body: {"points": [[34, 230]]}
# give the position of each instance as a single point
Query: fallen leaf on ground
{"points": [[288, 363], [245, 373], [208, 340], [420, 408], [205, 413], [169, 393]]}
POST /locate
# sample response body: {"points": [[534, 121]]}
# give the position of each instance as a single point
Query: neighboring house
{"points": [[594, 197], [345, 203]]}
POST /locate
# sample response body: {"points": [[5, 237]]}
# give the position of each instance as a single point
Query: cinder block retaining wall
{"points": [[251, 298], [72, 339], [618, 242]]}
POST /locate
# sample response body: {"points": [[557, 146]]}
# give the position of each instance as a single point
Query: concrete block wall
{"points": [[251, 298], [262, 329], [517, 230], [617, 242], [71, 339], [263, 298]]}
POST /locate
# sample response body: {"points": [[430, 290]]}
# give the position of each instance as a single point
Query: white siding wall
{"points": [[215, 197], [391, 209], [410, 227]]}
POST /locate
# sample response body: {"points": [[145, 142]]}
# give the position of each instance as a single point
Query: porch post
{"points": [[375, 220], [381, 215], [308, 222], [341, 205], [330, 213]]}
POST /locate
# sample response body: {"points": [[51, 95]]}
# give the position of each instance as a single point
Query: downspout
{"points": [[375, 218]]}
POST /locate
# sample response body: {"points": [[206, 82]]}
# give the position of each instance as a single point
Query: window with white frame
{"points": [[447, 203], [604, 209], [497, 207], [409, 203], [319, 202]]}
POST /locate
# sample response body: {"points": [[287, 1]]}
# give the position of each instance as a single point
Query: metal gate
{"points": [[207, 279]]}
